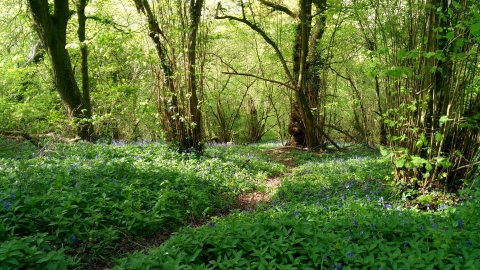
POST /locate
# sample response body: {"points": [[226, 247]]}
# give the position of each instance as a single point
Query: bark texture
{"points": [[51, 29]]}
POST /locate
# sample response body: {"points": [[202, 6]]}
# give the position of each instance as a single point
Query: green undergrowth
{"points": [[335, 211], [68, 205], [295, 236]]}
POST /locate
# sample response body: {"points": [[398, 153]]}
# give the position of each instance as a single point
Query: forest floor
{"points": [[243, 202], [263, 206]]}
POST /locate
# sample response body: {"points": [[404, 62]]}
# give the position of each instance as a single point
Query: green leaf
{"points": [[443, 119], [428, 166], [418, 161], [460, 42], [450, 35], [13, 261], [475, 29], [399, 163]]}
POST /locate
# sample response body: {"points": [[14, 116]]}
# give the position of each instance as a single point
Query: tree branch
{"points": [[107, 21], [262, 33], [261, 78], [278, 7], [341, 131]]}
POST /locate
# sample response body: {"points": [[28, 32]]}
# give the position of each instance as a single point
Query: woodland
{"points": [[307, 134]]}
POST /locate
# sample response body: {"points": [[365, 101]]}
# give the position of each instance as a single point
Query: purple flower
{"points": [[295, 213], [460, 223], [72, 238], [350, 254], [355, 222], [211, 224], [469, 244], [434, 225], [6, 205], [337, 266]]}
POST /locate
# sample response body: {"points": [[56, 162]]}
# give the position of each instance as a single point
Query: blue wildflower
{"points": [[421, 227], [460, 223], [6, 205], [405, 244], [355, 222], [211, 224], [295, 213], [469, 244], [350, 254]]}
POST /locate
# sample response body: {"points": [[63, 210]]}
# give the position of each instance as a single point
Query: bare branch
{"points": [[342, 131], [278, 7], [261, 78], [264, 35]]}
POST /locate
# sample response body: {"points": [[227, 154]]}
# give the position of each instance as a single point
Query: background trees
{"points": [[402, 74], [425, 56]]}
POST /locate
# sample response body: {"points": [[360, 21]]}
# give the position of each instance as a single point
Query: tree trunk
{"points": [[195, 129], [307, 128], [81, 4], [187, 132], [52, 29], [171, 122]]}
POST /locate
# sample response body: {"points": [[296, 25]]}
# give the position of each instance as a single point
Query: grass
{"points": [[78, 204]]}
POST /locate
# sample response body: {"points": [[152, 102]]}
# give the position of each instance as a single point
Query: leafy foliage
{"points": [[332, 213], [83, 198]]}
